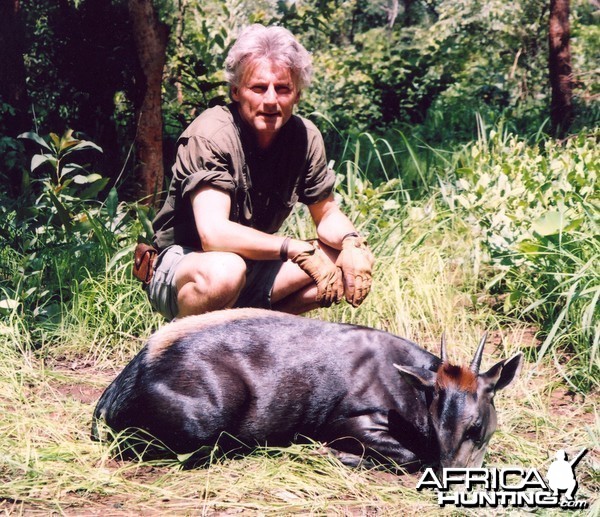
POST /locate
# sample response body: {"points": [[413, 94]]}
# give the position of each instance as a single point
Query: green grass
{"points": [[422, 287], [430, 277]]}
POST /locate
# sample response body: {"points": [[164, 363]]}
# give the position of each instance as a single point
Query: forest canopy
{"points": [[427, 67]]}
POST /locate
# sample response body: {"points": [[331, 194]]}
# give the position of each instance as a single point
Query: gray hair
{"points": [[273, 43]]}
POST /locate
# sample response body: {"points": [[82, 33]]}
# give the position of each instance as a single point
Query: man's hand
{"points": [[356, 262], [327, 276]]}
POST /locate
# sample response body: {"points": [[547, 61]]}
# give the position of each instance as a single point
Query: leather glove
{"points": [[327, 276], [356, 262]]}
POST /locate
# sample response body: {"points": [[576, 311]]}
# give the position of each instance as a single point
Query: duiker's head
{"points": [[462, 413]]}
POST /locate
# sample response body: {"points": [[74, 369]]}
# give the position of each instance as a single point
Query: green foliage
{"points": [[347, 96], [57, 230], [68, 183], [585, 55], [195, 78], [78, 55], [536, 209], [389, 76], [455, 60], [428, 73], [380, 92]]}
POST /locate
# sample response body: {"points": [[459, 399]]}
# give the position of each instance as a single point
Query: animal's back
{"points": [[263, 378]]}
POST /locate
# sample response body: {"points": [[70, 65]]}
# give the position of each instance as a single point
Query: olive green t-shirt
{"points": [[219, 149]]}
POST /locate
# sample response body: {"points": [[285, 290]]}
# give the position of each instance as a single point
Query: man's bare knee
{"points": [[210, 281], [228, 274]]}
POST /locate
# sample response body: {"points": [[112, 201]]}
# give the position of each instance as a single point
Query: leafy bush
{"points": [[536, 209], [57, 231], [442, 69]]}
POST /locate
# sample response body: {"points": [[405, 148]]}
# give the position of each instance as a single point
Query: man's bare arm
{"points": [[211, 208]]}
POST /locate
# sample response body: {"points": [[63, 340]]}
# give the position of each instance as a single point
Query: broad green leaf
{"points": [[112, 202], [573, 225], [36, 138], [70, 167], [528, 247], [550, 223], [40, 159], [218, 39], [47, 312], [95, 187], [85, 145], [125, 252], [90, 178], [146, 223], [30, 291], [63, 213], [8, 304]]}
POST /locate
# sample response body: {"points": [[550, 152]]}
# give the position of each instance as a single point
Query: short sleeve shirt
{"points": [[219, 149]]}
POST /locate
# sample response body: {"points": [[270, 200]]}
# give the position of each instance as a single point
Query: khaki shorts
{"points": [[162, 291]]}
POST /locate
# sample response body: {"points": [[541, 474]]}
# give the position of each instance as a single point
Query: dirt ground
{"points": [[84, 383]]}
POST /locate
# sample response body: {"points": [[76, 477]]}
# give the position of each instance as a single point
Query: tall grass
{"points": [[109, 316], [430, 277], [424, 287]]}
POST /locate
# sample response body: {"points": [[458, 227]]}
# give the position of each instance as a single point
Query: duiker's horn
{"points": [[476, 362], [443, 352]]}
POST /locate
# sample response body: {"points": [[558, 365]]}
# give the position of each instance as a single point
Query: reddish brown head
{"points": [[456, 377], [462, 414]]}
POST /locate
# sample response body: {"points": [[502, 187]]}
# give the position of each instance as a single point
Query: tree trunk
{"points": [[392, 13], [13, 88], [559, 64], [150, 36]]}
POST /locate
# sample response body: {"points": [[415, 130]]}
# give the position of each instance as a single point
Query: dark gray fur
{"points": [[276, 380]]}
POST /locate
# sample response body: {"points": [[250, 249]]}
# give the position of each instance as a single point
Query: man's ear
{"points": [[298, 95], [235, 93]]}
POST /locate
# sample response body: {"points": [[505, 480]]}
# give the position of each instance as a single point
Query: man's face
{"points": [[266, 99]]}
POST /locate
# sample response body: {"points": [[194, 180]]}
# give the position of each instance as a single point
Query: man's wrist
{"points": [[351, 234], [294, 247], [283, 250], [354, 240]]}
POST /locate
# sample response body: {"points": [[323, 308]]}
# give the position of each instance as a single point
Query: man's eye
{"points": [[283, 90], [258, 89]]}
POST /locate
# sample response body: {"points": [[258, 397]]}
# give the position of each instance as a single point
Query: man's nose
{"points": [[270, 96]]}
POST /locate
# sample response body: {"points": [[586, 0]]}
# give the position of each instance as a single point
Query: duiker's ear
{"points": [[418, 377], [504, 372]]}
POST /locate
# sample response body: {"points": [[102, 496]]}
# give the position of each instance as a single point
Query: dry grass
{"points": [[48, 464]]}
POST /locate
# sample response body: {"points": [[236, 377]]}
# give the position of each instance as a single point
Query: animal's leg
{"points": [[372, 445], [384, 447], [349, 459]]}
